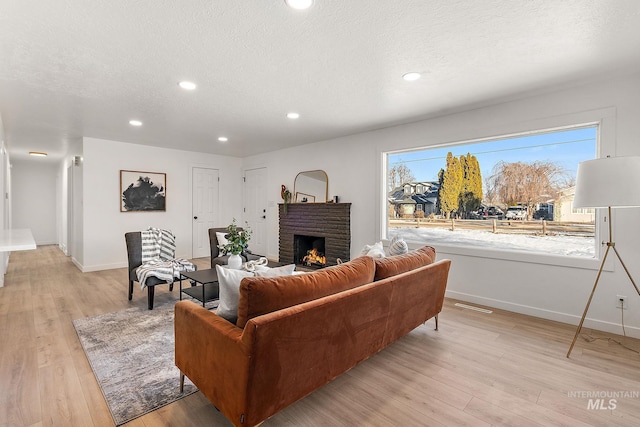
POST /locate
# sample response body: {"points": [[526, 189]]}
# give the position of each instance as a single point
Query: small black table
{"points": [[208, 289]]}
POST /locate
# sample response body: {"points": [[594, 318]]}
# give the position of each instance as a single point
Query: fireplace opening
{"points": [[309, 251]]}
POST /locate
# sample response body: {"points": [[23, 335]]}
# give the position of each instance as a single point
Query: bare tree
{"points": [[526, 184], [490, 192], [399, 174]]}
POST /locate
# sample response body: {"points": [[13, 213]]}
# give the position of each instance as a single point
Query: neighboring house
{"points": [[411, 197], [564, 211]]}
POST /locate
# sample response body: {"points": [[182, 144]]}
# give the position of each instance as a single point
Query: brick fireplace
{"points": [[329, 223]]}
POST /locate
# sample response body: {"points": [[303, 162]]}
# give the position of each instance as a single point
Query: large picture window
{"points": [[510, 193]]}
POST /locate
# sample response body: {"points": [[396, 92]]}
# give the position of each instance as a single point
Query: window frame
{"points": [[604, 119]]}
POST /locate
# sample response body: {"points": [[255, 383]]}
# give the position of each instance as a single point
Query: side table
{"points": [[207, 290]]}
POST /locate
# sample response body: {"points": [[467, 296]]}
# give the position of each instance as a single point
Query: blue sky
{"points": [[566, 149]]}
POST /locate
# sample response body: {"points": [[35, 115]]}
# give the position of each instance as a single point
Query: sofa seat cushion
{"points": [[261, 295], [393, 265]]}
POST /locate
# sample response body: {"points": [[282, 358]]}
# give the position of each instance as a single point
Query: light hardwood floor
{"points": [[477, 370]]}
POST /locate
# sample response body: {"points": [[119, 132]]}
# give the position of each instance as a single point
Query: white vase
{"points": [[235, 262]]}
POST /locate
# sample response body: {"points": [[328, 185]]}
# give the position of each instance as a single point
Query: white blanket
{"points": [[168, 270]]}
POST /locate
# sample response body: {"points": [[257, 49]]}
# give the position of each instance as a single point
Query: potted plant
{"points": [[237, 242]]}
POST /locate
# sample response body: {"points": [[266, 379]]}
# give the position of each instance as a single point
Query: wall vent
{"points": [[472, 307]]}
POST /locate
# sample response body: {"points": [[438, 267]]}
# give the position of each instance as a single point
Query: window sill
{"points": [[517, 256]]}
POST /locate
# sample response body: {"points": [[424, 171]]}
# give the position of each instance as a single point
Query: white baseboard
{"points": [[600, 325], [90, 268], [76, 263], [111, 266]]}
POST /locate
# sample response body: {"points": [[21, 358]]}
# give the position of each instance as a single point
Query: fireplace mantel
{"points": [[329, 220]]}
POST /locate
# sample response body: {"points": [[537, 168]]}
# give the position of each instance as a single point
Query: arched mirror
{"points": [[311, 187]]}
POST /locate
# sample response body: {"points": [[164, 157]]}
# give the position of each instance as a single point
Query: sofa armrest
{"points": [[210, 351]]}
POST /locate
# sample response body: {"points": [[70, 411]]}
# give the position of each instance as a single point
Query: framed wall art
{"points": [[142, 191], [302, 197]]}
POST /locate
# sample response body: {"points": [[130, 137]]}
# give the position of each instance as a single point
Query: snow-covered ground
{"points": [[560, 245]]}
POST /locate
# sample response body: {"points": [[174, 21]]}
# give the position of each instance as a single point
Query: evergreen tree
{"points": [[465, 192], [470, 196], [477, 179], [440, 181], [449, 194]]}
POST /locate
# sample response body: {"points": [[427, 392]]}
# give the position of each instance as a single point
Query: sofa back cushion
{"points": [[261, 295], [393, 265]]}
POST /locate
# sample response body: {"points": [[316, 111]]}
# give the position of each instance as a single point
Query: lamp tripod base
{"points": [[610, 245]]}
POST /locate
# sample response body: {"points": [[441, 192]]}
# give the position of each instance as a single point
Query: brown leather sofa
{"points": [[296, 333]]}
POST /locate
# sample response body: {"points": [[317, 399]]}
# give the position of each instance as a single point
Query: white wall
{"points": [[34, 207], [353, 165], [103, 223], [70, 207], [5, 204]]}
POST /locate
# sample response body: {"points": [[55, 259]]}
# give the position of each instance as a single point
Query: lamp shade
{"points": [[608, 182]]}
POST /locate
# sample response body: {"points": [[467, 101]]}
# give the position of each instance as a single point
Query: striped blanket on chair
{"points": [[157, 244], [158, 257]]}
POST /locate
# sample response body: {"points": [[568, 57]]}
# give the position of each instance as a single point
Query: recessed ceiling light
{"points": [[411, 76], [223, 139], [37, 153], [299, 4], [293, 115], [187, 85], [135, 122]]}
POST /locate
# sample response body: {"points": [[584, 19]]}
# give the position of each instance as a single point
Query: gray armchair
{"points": [[215, 252], [134, 257]]}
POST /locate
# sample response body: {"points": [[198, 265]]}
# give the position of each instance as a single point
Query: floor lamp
{"points": [[609, 182]]}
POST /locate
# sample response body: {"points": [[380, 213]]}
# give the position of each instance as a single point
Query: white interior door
{"points": [[205, 187], [255, 202]]}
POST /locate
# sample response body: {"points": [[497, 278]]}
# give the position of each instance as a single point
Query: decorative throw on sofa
{"points": [[158, 252]]}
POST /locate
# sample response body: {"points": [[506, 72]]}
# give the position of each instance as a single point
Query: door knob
{"points": [[195, 217]]}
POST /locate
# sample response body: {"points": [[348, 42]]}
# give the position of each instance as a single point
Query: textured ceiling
{"points": [[74, 68]]}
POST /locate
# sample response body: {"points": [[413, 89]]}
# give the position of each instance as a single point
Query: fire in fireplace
{"points": [[314, 257], [309, 251]]}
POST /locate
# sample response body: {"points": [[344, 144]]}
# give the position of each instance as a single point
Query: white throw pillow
{"points": [[229, 285], [285, 270], [365, 250], [374, 251], [221, 242], [398, 246]]}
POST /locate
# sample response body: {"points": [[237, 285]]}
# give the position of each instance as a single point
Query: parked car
{"points": [[475, 214], [493, 212], [488, 212], [542, 214], [516, 212]]}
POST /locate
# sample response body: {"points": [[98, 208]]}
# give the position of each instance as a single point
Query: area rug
{"points": [[131, 353]]}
